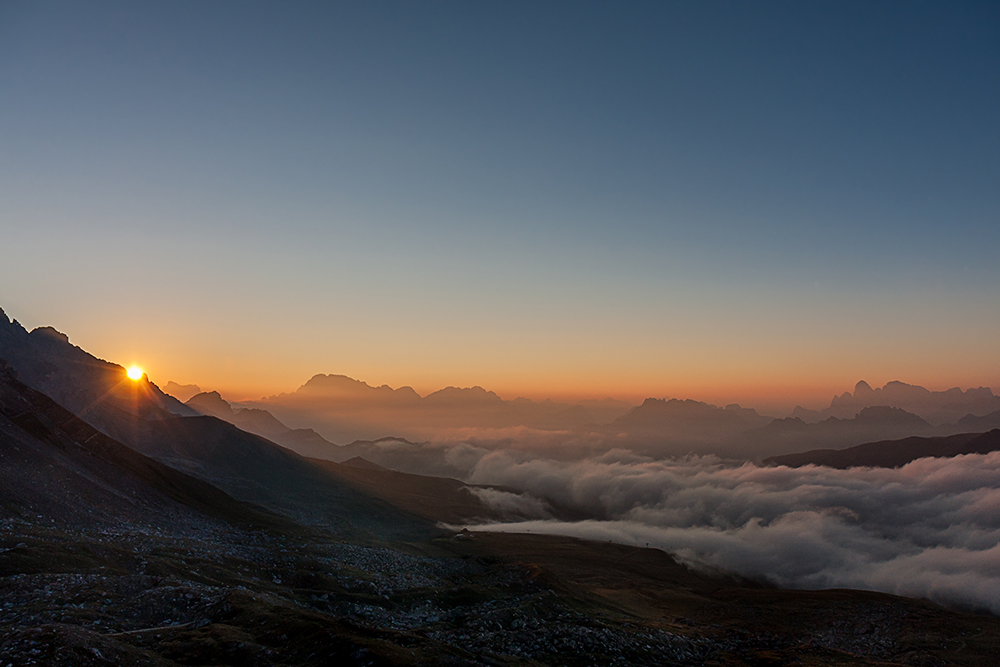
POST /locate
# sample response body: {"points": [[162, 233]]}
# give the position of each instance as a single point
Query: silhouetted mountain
{"points": [[182, 392], [345, 410], [211, 403], [686, 417], [304, 441], [90, 387], [936, 407], [685, 425], [452, 396], [978, 424], [875, 423], [309, 443], [262, 422], [58, 467], [894, 453], [343, 388]]}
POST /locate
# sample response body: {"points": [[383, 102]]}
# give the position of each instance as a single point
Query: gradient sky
{"points": [[754, 202]]}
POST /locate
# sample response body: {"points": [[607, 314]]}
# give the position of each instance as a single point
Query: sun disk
{"points": [[134, 372]]}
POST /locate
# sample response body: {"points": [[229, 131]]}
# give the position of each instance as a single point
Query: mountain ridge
{"points": [[893, 453], [937, 407], [48, 362]]}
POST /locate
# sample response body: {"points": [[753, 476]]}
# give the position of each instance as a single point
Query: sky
{"points": [[738, 202]]}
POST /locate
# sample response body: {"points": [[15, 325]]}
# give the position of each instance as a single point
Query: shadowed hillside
{"points": [[57, 465], [894, 453], [254, 469]]}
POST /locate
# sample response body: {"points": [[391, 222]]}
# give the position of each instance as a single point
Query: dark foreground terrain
{"points": [[134, 596]]}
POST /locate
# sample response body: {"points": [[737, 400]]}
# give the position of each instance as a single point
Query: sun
{"points": [[134, 372]]}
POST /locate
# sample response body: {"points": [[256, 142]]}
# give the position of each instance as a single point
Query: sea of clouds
{"points": [[929, 529]]}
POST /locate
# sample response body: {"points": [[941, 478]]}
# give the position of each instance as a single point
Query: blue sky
{"points": [[538, 197]]}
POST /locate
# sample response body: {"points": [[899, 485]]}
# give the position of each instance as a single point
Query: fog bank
{"points": [[928, 529]]}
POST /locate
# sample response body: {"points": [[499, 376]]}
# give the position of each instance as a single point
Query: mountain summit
{"points": [[937, 407]]}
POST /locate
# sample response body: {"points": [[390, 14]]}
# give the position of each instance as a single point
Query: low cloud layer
{"points": [[928, 529], [514, 504]]}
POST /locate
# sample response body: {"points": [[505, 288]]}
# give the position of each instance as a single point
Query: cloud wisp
{"points": [[928, 529]]}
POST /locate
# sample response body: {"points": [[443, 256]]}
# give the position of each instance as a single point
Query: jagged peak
{"points": [[211, 402], [50, 332]]}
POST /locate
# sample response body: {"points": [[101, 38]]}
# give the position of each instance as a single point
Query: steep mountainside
{"points": [[89, 387], [56, 466]]}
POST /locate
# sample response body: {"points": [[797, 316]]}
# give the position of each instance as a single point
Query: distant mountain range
{"points": [[657, 427], [936, 407], [870, 424], [182, 392], [686, 419], [335, 408], [677, 427], [343, 409]]}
